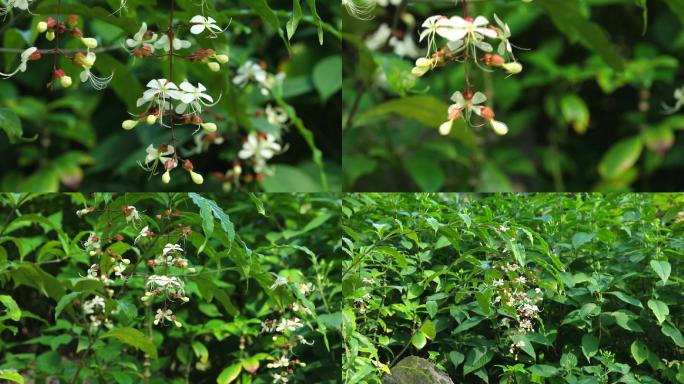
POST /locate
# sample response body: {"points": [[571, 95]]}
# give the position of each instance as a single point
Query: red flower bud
{"points": [[187, 164], [487, 113]]}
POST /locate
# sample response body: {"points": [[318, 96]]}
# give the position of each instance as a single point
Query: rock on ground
{"points": [[416, 370]]}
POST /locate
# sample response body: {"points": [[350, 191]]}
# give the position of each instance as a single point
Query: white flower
{"points": [[131, 214], [458, 28], [305, 288], [279, 281], [504, 34], [276, 116], [260, 149], [498, 283], [289, 325], [93, 242], [679, 102], [119, 269], [434, 25], [249, 71], [92, 271], [200, 23], [154, 155], [25, 57], [145, 232], [21, 4], [158, 92], [139, 40], [404, 47], [163, 315], [194, 97], [521, 280], [165, 44], [172, 248], [378, 38]]}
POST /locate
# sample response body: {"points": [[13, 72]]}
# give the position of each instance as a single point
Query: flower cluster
{"points": [[167, 287], [400, 40], [468, 40], [169, 104], [95, 310], [286, 332], [53, 30], [7, 5], [518, 298], [258, 147]]}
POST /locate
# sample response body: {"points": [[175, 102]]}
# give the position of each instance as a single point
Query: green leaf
{"points": [[626, 298], [568, 17], [456, 358], [64, 301], [581, 238], [662, 268], [208, 208], [11, 125], [527, 347], [229, 374], [674, 334], [399, 257], [12, 376], [264, 11], [677, 6], [431, 307], [134, 338], [589, 345], [426, 110], [639, 351], [660, 310], [12, 309], [425, 171], [428, 328], [477, 358], [327, 76], [543, 370], [620, 158], [575, 112], [419, 340], [293, 23]]}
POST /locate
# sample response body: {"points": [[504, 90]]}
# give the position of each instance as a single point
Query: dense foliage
{"points": [[253, 101], [169, 288], [515, 288], [590, 110]]}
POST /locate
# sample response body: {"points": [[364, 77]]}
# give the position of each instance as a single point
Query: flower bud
{"points": [[72, 20], [222, 58], [41, 27], [499, 127], [151, 119], [65, 81], [125, 261], [487, 113], [89, 42], [166, 177], [196, 177], [144, 298], [445, 128], [129, 124], [214, 67], [50, 35], [185, 299], [192, 270], [209, 127], [177, 323], [76, 33], [512, 67]]}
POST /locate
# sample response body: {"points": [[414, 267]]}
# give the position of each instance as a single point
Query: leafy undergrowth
{"points": [[515, 288], [169, 288]]}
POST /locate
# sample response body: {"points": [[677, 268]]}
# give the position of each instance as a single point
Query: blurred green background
{"points": [[585, 114], [79, 142]]}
